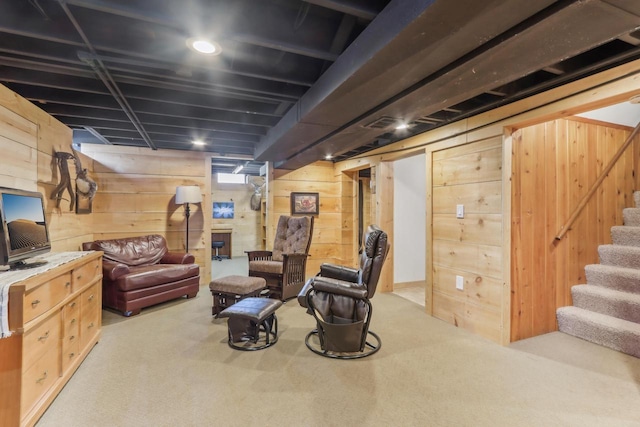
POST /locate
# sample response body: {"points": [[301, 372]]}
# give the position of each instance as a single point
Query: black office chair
{"points": [[339, 299], [217, 246]]}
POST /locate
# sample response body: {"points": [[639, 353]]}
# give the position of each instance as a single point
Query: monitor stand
{"points": [[25, 264]]}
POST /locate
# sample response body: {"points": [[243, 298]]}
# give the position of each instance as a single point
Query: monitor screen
{"points": [[24, 231]]}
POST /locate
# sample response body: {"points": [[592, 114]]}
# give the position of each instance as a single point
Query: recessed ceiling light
{"points": [[402, 126], [328, 157], [198, 142], [204, 46]]}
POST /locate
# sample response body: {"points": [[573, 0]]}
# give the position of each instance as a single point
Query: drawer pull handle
{"points": [[44, 337], [42, 378], [90, 298], [35, 303], [67, 284], [73, 321], [72, 337], [90, 325], [73, 304], [72, 355], [79, 276]]}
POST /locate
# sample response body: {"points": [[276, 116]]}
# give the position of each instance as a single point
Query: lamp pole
{"points": [[186, 194], [187, 212]]}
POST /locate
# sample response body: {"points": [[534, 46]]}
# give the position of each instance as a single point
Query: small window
{"points": [[232, 178]]}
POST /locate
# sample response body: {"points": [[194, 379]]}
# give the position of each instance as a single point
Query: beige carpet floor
{"points": [[171, 366]]}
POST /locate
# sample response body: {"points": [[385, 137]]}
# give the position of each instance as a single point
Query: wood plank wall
{"points": [[136, 196], [554, 165], [470, 247], [327, 241], [246, 234], [28, 139]]}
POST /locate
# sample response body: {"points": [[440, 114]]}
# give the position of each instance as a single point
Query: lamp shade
{"points": [[188, 194]]}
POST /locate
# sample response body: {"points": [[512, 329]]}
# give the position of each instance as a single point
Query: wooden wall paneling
{"points": [[480, 198], [136, 195], [318, 177], [471, 247], [385, 220], [17, 165], [246, 226], [430, 206], [567, 156]]}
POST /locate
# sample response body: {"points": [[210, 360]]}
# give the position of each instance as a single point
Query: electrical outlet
{"points": [[459, 211], [460, 283]]}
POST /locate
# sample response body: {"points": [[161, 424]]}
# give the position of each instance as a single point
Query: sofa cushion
{"points": [[151, 275], [293, 235], [133, 251]]}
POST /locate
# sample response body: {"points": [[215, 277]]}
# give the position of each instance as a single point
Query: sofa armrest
{"points": [[177, 258], [340, 272], [259, 255], [114, 270]]}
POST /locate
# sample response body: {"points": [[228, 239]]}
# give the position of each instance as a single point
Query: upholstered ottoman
{"points": [[229, 290], [248, 318]]}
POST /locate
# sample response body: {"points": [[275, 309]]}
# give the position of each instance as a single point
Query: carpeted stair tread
{"points": [[613, 277], [636, 198], [622, 256], [631, 216], [625, 235], [618, 334], [614, 303]]}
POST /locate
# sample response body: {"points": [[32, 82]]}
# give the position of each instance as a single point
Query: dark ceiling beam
{"points": [[149, 15], [585, 25], [347, 7], [152, 119], [110, 54], [85, 85], [104, 75], [284, 46], [157, 129], [274, 92], [45, 96]]}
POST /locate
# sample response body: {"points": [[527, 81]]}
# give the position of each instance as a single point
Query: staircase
{"points": [[606, 310]]}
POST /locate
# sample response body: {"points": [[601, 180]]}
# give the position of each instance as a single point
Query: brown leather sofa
{"points": [[140, 271]]}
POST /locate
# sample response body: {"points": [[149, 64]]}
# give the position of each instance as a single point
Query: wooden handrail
{"points": [[596, 184]]}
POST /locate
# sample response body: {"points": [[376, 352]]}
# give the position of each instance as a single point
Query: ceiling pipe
{"points": [[103, 74]]}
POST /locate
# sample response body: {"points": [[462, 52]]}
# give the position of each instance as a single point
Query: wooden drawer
{"points": [[39, 378], [40, 340], [70, 351], [71, 318], [83, 275], [91, 299], [42, 298], [89, 327]]}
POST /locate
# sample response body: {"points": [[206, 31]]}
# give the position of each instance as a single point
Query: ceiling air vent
{"points": [[382, 123]]}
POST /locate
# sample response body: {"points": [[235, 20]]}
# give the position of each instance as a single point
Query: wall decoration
{"points": [[223, 210], [305, 204]]}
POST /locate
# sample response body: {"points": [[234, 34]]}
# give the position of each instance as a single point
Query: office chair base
{"points": [[369, 348]]}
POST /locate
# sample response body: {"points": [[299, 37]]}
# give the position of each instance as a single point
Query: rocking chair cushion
{"points": [[273, 267], [292, 236]]}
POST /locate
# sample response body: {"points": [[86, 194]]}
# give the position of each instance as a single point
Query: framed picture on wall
{"points": [[305, 204], [223, 210]]}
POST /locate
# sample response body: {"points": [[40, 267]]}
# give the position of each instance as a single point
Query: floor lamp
{"points": [[186, 194]]}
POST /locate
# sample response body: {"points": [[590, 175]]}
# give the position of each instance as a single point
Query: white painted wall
{"points": [[625, 114], [409, 218]]}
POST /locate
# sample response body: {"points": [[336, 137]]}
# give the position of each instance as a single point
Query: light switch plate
{"points": [[460, 283], [459, 211]]}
